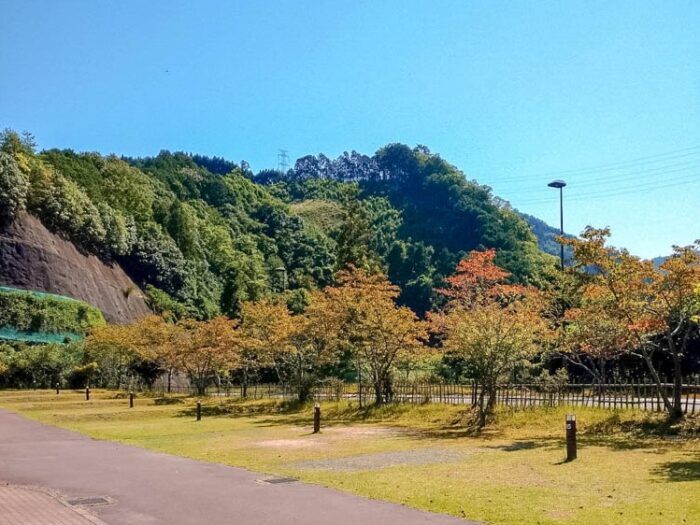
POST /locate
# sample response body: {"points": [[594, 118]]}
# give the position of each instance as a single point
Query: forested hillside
{"points": [[200, 235], [409, 212], [547, 236]]}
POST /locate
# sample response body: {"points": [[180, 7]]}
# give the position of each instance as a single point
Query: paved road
{"points": [[148, 488]]}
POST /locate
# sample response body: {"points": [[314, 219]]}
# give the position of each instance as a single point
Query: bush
{"points": [[35, 312], [82, 375], [43, 366]]}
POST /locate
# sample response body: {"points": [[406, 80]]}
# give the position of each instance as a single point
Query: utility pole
{"points": [[560, 184], [283, 274], [283, 161]]}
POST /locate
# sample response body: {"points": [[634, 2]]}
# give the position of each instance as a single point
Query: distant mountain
{"points": [[546, 236], [658, 261]]}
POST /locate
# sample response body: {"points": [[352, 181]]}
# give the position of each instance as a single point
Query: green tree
{"points": [[13, 187], [354, 240]]}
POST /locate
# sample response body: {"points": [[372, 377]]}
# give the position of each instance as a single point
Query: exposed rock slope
{"points": [[33, 258]]}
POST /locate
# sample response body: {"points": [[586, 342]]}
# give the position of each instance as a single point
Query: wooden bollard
{"points": [[87, 393], [317, 418], [58, 388], [199, 410], [131, 400], [570, 437]]}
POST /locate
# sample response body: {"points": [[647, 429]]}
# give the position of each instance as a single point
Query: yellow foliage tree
{"points": [[265, 332], [206, 348], [159, 341], [374, 328], [114, 349], [493, 339], [316, 344]]}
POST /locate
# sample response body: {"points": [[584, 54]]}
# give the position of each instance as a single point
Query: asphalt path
{"points": [[141, 487]]}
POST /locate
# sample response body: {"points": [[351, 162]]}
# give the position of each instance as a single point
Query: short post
{"points": [[58, 388], [317, 418], [131, 400], [199, 410], [570, 437], [87, 393]]}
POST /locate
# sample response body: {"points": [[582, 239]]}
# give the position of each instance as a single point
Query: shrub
{"points": [[35, 312], [41, 366]]}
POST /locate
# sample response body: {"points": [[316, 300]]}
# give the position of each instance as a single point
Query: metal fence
{"points": [[633, 395]]}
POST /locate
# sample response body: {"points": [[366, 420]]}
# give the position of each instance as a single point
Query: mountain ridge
{"points": [[199, 235]]}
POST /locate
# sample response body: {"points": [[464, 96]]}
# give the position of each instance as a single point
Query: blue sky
{"points": [[513, 93]]}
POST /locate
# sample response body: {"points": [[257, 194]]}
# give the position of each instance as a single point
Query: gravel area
{"points": [[381, 460]]}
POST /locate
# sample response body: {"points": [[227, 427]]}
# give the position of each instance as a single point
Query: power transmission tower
{"points": [[283, 161]]}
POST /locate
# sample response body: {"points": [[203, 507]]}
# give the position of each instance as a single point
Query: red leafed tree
{"points": [[492, 325], [477, 278]]}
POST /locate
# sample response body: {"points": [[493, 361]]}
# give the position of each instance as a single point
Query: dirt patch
{"points": [[290, 443], [381, 460], [362, 431]]}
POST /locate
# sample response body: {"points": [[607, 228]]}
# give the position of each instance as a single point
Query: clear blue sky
{"points": [[508, 91]]}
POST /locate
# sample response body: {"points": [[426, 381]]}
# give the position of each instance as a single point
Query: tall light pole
{"points": [[560, 184]]}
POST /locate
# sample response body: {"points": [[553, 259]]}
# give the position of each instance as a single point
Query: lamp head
{"points": [[557, 184]]}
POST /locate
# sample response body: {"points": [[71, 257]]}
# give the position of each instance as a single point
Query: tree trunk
{"points": [[378, 392], [201, 385], [677, 386], [657, 381], [388, 388], [359, 384], [170, 379], [481, 409], [244, 383]]}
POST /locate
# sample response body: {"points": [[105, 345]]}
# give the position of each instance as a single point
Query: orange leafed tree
{"points": [[590, 338], [207, 348], [158, 340], [658, 307], [477, 278], [492, 325]]}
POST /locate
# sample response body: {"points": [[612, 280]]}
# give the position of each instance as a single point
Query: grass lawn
{"points": [[627, 472]]}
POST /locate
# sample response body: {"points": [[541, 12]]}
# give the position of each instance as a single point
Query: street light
{"points": [[283, 271], [560, 184]]}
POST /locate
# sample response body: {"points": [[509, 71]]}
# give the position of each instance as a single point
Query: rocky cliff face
{"points": [[33, 258]]}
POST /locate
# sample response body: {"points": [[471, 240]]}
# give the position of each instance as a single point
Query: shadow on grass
{"points": [[164, 401], [243, 408], [688, 470], [649, 431], [441, 422], [524, 445]]}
